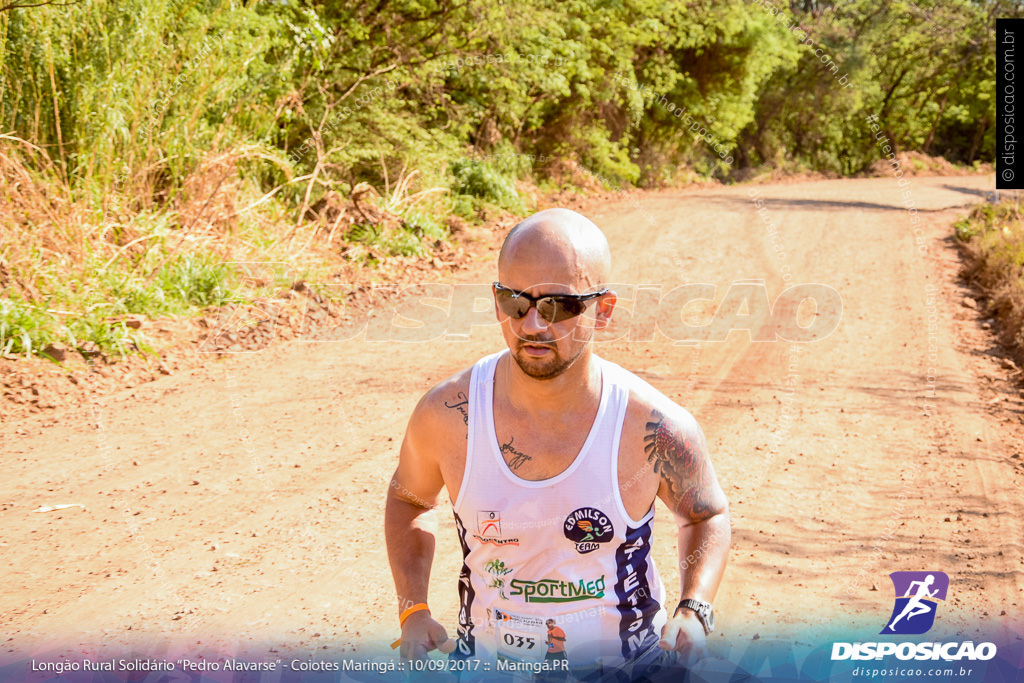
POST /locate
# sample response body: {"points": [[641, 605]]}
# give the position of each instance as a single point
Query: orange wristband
{"points": [[406, 613], [409, 611]]}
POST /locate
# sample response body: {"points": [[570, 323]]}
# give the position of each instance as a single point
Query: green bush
{"points": [[25, 329], [424, 225], [965, 229], [197, 280], [481, 180], [92, 309]]}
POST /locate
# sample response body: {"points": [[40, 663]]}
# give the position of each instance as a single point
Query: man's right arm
{"points": [[410, 525]]}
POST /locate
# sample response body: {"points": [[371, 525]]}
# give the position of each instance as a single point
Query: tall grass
{"points": [[127, 125], [993, 236], [132, 93]]}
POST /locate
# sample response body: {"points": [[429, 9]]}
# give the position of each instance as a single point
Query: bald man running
{"points": [[552, 458]]}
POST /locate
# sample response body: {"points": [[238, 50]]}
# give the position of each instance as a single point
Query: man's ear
{"points": [[605, 306]]}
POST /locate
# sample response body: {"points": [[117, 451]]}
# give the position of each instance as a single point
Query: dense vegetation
{"points": [[144, 144]]}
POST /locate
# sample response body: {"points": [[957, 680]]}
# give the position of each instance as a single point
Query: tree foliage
{"points": [[925, 69], [136, 91]]}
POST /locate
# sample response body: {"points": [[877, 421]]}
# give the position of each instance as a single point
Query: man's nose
{"points": [[533, 322]]}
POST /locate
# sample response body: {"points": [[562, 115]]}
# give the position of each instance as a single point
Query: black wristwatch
{"points": [[705, 612]]}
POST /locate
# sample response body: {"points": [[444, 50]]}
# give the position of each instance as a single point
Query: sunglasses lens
{"points": [[555, 309], [548, 309], [511, 305]]}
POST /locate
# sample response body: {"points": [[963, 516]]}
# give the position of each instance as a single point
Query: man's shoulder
{"points": [[439, 400], [446, 404], [647, 402]]}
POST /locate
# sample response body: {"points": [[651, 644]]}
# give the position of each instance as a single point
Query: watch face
{"points": [[705, 612]]}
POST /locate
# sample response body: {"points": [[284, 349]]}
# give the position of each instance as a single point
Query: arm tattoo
{"points": [[518, 457], [462, 406], [678, 460]]}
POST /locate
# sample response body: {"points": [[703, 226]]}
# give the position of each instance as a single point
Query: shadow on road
{"points": [[818, 204]]}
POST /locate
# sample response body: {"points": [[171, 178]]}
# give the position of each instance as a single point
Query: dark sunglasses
{"points": [[552, 307]]}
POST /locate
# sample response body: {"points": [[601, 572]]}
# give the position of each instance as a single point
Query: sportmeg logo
{"points": [[913, 613], [554, 590]]}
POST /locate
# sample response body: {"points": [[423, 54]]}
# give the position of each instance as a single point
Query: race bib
{"points": [[520, 638]]}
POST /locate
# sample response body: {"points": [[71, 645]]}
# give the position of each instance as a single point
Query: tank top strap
{"points": [[481, 384]]}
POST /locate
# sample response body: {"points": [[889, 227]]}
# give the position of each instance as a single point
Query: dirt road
{"points": [[240, 507]]}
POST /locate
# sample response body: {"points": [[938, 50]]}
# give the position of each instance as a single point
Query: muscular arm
{"points": [[410, 526], [676, 448]]}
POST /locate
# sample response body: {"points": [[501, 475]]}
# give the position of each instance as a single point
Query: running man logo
{"points": [[917, 596], [488, 522]]}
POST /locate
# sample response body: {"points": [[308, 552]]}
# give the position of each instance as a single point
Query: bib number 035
{"points": [[519, 642]]}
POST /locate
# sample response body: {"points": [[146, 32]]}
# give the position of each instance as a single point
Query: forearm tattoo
{"points": [[518, 457], [680, 462]]}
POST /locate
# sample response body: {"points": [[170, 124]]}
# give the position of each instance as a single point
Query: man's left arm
{"points": [[676, 448]]}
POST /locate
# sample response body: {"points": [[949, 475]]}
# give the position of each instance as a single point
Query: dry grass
{"points": [[73, 264], [918, 163], [35, 213], [993, 238]]}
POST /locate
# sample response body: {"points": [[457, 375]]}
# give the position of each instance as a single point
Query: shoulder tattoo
{"points": [[461, 404], [679, 460]]}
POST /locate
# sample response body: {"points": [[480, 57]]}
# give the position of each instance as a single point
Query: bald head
{"points": [[557, 246]]}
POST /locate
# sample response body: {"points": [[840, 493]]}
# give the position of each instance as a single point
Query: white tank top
{"points": [[562, 548]]}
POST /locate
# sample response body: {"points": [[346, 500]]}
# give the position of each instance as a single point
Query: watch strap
{"points": [[705, 612]]}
